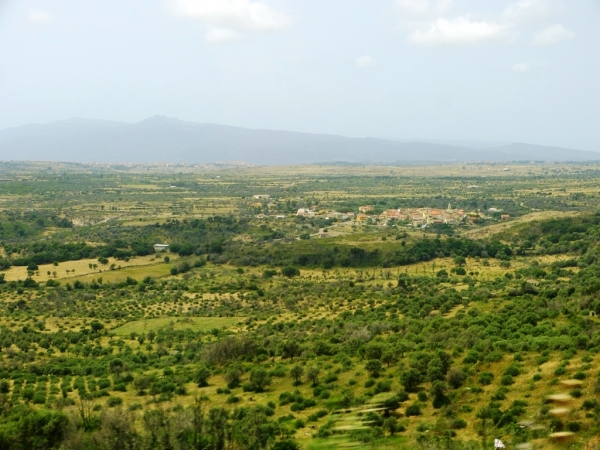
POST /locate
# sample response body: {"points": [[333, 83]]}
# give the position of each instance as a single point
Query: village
{"points": [[414, 217]]}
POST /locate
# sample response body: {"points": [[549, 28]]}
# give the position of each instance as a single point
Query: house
{"points": [[362, 218], [365, 208], [161, 247], [505, 217]]}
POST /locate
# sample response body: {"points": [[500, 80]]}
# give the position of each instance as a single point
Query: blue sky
{"points": [[499, 70]]}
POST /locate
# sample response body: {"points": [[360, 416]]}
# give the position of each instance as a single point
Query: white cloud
{"points": [[423, 8], [524, 67], [461, 31], [222, 35], [527, 67], [229, 19], [553, 35], [532, 10], [364, 61], [39, 16]]}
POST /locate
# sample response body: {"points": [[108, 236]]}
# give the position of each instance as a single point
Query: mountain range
{"points": [[162, 139]]}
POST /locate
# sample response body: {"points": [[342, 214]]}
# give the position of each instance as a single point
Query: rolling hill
{"points": [[162, 139]]}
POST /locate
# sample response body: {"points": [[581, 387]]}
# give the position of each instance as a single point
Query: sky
{"points": [[494, 70]]}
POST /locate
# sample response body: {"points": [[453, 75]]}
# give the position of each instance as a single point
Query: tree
{"points": [[218, 428], [404, 346], [201, 376], [374, 367], [27, 428], [296, 373], [142, 382], [438, 391], [233, 375], [259, 378], [390, 425], [389, 357], [313, 375], [286, 445], [96, 326], [116, 366], [460, 260], [290, 271], [410, 379], [456, 377], [118, 430], [290, 349]]}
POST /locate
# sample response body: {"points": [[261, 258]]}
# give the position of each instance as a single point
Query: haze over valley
{"points": [[162, 139]]}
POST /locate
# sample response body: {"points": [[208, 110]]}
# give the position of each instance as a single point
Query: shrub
{"points": [[458, 424], [286, 445], [317, 415], [589, 404], [512, 370], [456, 377], [485, 378], [114, 401], [413, 410], [290, 271], [39, 398]]}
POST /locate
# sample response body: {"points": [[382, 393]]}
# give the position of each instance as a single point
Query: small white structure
{"points": [[261, 197], [161, 247]]}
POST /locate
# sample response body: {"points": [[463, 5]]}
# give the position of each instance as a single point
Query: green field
{"points": [[260, 329], [203, 324]]}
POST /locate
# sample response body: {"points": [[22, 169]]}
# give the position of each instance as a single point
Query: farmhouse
{"points": [[161, 247]]}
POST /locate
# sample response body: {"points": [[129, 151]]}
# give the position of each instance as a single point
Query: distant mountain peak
{"points": [[163, 139], [159, 119]]}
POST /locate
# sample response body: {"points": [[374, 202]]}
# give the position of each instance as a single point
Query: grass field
{"points": [[81, 269], [195, 323]]}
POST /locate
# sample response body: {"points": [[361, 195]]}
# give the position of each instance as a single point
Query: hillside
{"points": [[162, 139]]}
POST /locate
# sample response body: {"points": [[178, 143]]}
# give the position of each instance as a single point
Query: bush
{"points": [[114, 401], [458, 424], [560, 371], [413, 410], [456, 377], [512, 370], [286, 445], [589, 404], [317, 415], [39, 398], [290, 271], [485, 378]]}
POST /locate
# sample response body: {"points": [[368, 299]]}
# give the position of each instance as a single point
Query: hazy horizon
{"points": [[475, 144], [439, 70]]}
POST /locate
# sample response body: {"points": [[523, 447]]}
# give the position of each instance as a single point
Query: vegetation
{"points": [[255, 332]]}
